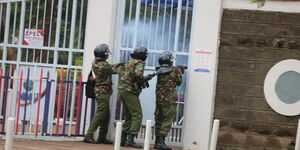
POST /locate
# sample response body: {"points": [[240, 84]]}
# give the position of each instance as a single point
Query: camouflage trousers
{"points": [[101, 118], [133, 112], [164, 116]]}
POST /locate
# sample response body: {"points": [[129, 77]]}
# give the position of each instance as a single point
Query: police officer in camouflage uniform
{"points": [[167, 79], [103, 90], [129, 91]]}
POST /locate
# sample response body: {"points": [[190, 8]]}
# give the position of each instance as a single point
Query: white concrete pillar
{"points": [[214, 135], [100, 28], [118, 136], [201, 85], [9, 133], [297, 146], [148, 135]]}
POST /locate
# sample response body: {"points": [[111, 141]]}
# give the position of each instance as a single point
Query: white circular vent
{"points": [[282, 87]]}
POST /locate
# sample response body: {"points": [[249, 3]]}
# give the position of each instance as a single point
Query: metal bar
{"points": [[21, 32], [81, 100], [37, 14], [50, 27], [25, 105], [6, 34], [52, 111], [30, 16], [59, 101], [1, 87], [78, 106], [57, 35], [121, 18], [44, 65], [178, 18], [66, 24], [46, 106], [4, 101], [19, 103], [85, 112], [72, 34], [72, 102], [39, 104], [185, 26], [32, 101], [80, 24], [156, 27], [44, 20], [129, 22], [10, 1], [170, 25], [1, 14], [163, 28], [145, 12], [66, 101], [158, 51], [15, 21], [14, 97], [44, 48], [150, 31], [44, 15], [136, 23]]}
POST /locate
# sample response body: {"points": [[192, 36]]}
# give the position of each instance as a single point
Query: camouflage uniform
{"points": [[166, 100], [103, 90], [132, 72]]}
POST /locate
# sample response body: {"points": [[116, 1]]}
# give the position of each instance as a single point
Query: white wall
{"points": [[201, 86], [100, 28], [283, 6]]}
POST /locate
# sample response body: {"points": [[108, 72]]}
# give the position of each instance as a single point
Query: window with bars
{"points": [[63, 23], [159, 25]]}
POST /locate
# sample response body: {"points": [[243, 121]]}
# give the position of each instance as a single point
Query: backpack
{"points": [[90, 85]]}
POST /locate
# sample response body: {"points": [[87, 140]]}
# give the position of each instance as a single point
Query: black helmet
{"points": [[101, 52], [140, 52], [165, 59]]}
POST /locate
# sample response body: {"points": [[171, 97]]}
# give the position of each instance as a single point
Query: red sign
{"points": [[34, 37]]}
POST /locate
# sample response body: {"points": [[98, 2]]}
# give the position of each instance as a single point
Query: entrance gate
{"points": [[159, 25], [48, 35]]}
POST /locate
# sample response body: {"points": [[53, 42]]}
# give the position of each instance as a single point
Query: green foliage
{"points": [[260, 3], [59, 72]]}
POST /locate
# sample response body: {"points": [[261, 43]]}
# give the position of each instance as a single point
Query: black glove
{"points": [[149, 76], [118, 65], [145, 84], [182, 68]]}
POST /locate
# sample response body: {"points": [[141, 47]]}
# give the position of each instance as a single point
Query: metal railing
{"points": [[45, 106]]}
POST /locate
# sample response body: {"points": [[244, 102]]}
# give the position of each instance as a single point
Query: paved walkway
{"points": [[54, 145]]}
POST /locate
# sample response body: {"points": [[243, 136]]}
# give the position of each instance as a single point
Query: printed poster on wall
{"points": [[203, 60], [34, 37]]}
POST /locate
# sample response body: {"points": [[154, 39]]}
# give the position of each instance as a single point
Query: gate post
{"points": [[202, 83], [100, 28]]}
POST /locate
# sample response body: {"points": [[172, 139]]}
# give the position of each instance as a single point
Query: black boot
{"points": [[123, 138], [160, 143], [104, 141], [130, 142], [89, 140]]}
